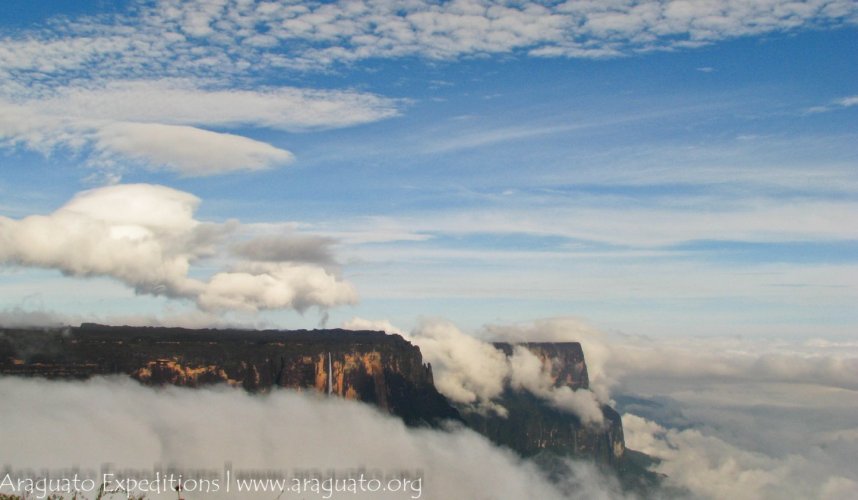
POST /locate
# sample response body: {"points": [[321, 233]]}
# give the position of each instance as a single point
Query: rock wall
{"points": [[532, 426], [373, 367]]}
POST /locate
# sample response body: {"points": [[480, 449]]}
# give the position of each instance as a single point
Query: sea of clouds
{"points": [[726, 417]]}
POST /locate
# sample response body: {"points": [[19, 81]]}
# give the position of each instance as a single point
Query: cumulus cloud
{"points": [[255, 286], [146, 236], [88, 424], [159, 123]]}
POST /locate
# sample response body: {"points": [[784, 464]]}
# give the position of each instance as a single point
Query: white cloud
{"points": [[379, 325], [113, 82], [157, 123], [189, 150], [451, 29], [467, 370], [733, 361], [848, 102], [268, 285], [758, 419], [146, 237], [754, 419], [730, 417], [133, 427], [703, 463], [594, 344], [749, 220], [727, 417], [528, 372], [472, 372], [186, 102], [613, 361], [710, 467], [171, 38], [843, 102]]}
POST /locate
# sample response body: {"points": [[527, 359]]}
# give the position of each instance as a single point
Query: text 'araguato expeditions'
{"points": [[306, 483]]}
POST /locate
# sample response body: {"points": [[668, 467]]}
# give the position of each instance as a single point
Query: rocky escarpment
{"points": [[384, 370], [533, 426], [374, 367]]}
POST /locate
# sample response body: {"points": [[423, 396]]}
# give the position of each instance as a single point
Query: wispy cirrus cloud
{"points": [[90, 82], [843, 102], [647, 225]]}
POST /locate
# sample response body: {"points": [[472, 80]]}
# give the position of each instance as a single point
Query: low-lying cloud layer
{"points": [[57, 425], [146, 237], [726, 417]]}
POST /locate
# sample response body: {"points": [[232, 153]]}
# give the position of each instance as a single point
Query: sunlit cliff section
{"points": [[372, 367], [384, 370]]}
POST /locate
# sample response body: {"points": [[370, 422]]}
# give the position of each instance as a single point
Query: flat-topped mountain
{"points": [[374, 367], [384, 370]]}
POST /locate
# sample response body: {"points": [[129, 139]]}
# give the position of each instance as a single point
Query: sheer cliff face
{"points": [[533, 426], [380, 369], [563, 361]]}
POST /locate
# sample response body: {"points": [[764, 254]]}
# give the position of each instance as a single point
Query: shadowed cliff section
{"points": [[533, 426], [373, 367]]}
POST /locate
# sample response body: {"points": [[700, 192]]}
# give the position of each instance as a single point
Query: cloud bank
{"points": [[88, 424], [726, 417], [146, 237], [723, 419]]}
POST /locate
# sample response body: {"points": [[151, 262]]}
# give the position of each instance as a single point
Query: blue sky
{"points": [[658, 168]]}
